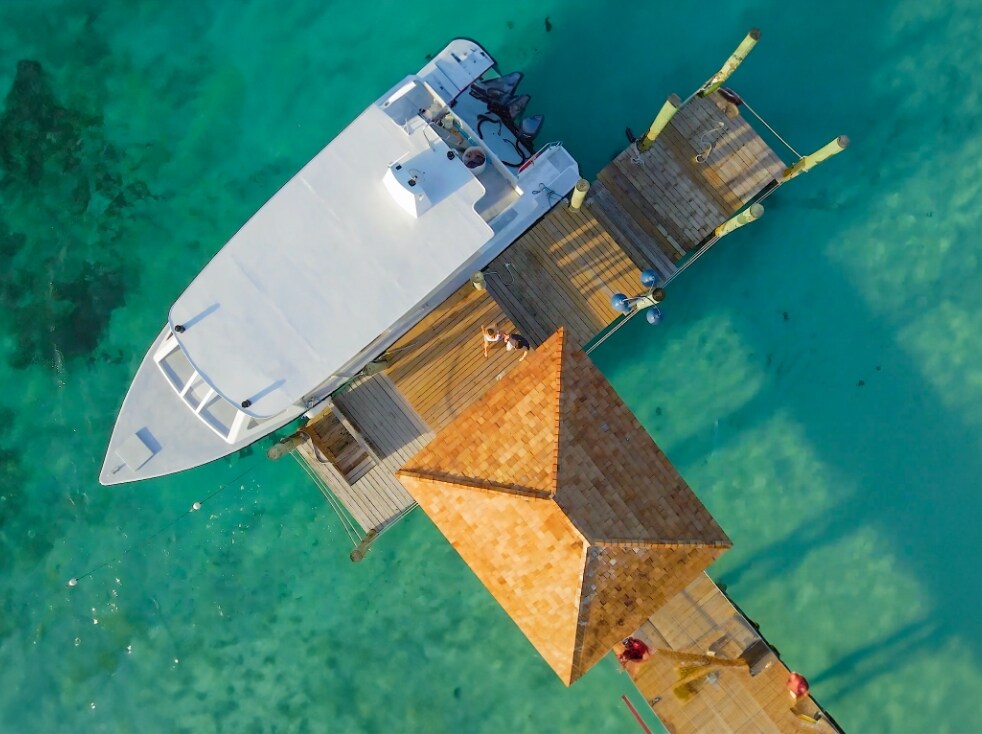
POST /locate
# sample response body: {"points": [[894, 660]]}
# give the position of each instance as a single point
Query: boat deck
{"points": [[702, 621]]}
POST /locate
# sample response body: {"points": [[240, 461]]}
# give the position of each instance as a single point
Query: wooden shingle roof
{"points": [[564, 507]]}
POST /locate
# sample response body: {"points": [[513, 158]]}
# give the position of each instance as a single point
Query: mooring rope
{"points": [[775, 133], [709, 145], [346, 524], [613, 331], [72, 582]]}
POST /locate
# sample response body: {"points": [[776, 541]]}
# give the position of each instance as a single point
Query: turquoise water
{"points": [[816, 377]]}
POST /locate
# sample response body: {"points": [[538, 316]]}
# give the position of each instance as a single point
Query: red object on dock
{"points": [[797, 685], [634, 650]]}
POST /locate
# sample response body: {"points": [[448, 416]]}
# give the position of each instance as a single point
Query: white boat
{"points": [[423, 189]]}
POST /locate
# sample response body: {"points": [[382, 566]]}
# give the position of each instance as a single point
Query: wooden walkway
{"points": [[646, 210], [562, 272], [704, 167], [378, 419], [439, 365], [435, 371], [733, 700]]}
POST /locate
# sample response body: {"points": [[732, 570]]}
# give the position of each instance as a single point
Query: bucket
{"points": [[475, 159]]}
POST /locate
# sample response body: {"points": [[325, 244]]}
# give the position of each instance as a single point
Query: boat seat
{"points": [[528, 131], [495, 90]]}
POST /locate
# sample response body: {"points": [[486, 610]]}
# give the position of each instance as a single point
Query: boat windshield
{"points": [[203, 400]]}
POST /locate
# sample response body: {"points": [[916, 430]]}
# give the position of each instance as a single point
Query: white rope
{"points": [[613, 331], [346, 523], [764, 123], [710, 145]]}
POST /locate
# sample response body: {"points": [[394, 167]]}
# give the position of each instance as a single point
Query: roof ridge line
{"points": [[675, 543], [478, 484], [558, 416]]}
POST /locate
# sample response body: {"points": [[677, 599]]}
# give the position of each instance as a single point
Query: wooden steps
{"points": [[338, 446]]}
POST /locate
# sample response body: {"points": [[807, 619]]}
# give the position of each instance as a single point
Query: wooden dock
{"points": [[562, 272], [701, 622], [704, 167], [433, 372], [356, 444], [646, 210]]}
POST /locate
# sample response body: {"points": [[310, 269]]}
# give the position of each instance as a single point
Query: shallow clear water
{"points": [[816, 377]]}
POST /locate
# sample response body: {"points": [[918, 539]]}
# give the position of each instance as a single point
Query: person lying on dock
{"points": [[491, 336], [517, 341]]}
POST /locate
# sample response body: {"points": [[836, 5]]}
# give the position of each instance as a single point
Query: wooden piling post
{"points": [[666, 113], [736, 58], [579, 194], [376, 365], [284, 446], [808, 162], [359, 553], [755, 211]]}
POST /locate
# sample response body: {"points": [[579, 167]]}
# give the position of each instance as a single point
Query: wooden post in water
{"points": [[579, 194], [286, 445], [736, 58], [359, 553], [808, 162], [666, 113], [755, 211]]}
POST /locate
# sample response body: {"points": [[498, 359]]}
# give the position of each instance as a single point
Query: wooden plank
{"points": [[702, 176], [547, 298], [700, 116], [680, 205], [595, 265], [364, 513], [445, 369], [385, 423], [701, 620], [627, 199], [656, 199], [516, 310], [569, 283], [638, 245], [677, 200], [685, 137], [591, 262]]}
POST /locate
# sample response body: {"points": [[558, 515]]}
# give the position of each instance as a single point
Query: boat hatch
{"points": [[136, 450]]}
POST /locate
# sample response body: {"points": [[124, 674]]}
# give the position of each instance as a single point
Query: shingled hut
{"points": [[560, 502]]}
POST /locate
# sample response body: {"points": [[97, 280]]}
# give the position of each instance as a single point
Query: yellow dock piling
{"points": [[808, 162], [666, 113], [754, 212], [732, 63], [579, 194]]}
